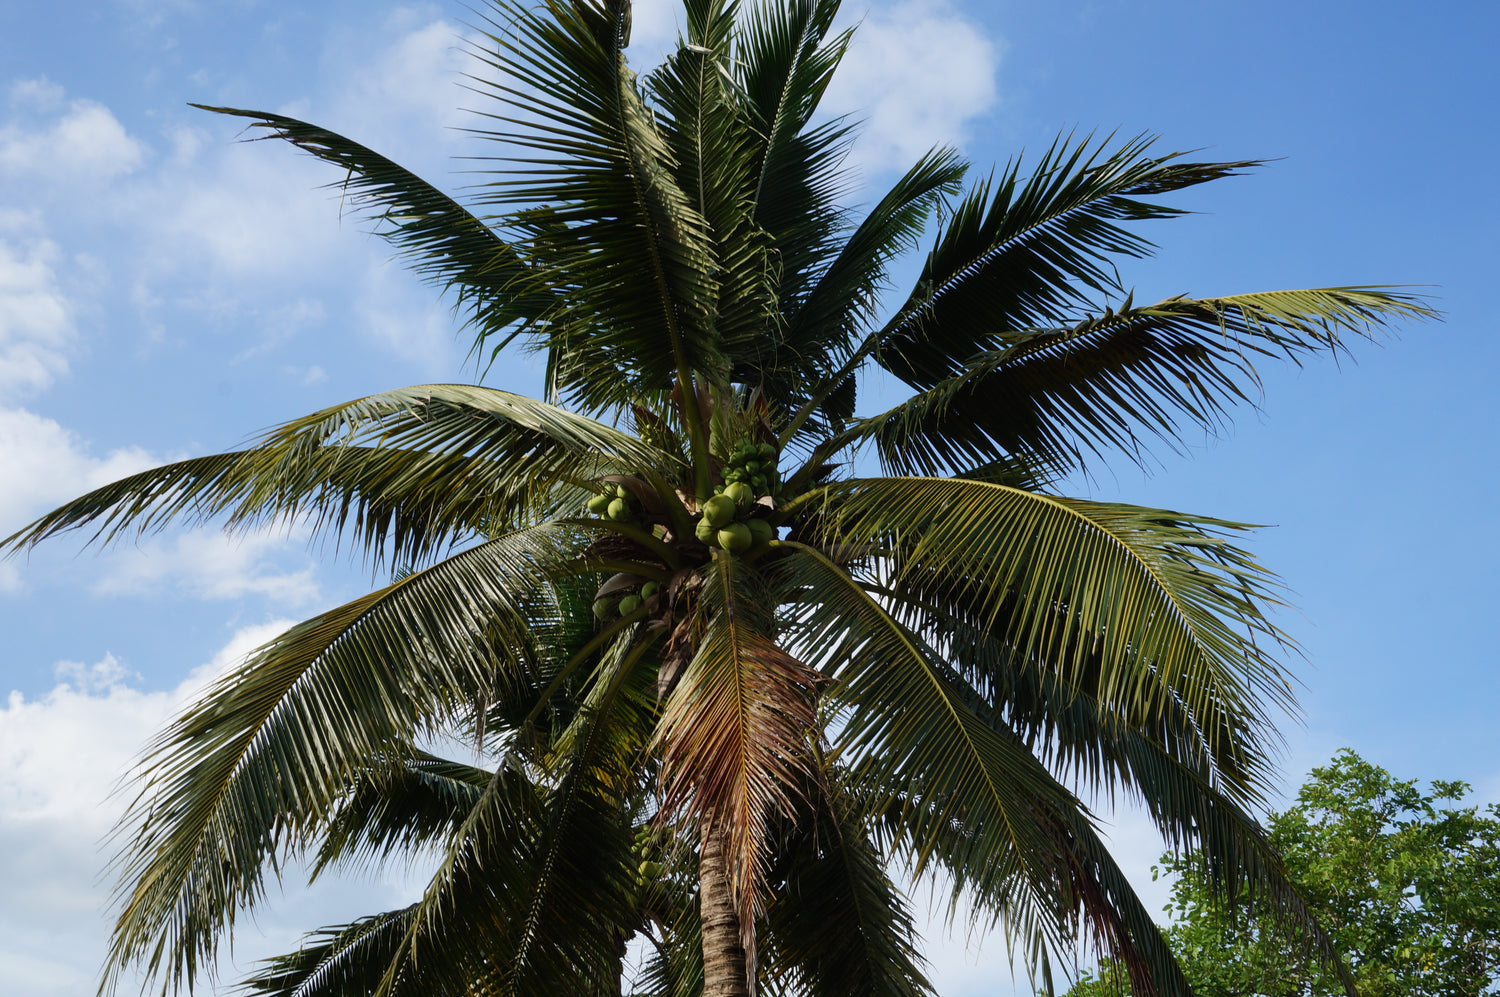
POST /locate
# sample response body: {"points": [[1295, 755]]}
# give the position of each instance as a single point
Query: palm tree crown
{"points": [[792, 670]]}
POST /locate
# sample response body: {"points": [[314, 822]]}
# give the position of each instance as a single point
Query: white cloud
{"points": [[42, 464], [62, 758], [214, 565], [40, 94], [86, 142], [36, 319], [917, 73], [403, 318]]}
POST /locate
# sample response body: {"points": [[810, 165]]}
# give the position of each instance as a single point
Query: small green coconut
{"points": [[599, 505], [649, 589], [619, 510], [604, 608], [629, 604]]}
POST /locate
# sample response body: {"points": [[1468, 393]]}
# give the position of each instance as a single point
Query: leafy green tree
{"points": [[966, 643], [1406, 881]]}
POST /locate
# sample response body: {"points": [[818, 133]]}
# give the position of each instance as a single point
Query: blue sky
{"points": [[166, 291]]}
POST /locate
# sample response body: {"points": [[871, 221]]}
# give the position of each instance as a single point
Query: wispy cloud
{"points": [[919, 73]]}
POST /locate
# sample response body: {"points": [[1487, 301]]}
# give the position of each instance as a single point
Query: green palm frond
{"points": [[713, 143], [544, 895], [972, 797], [824, 324], [1026, 252], [619, 241], [266, 753], [1151, 611], [400, 805], [838, 926], [434, 235], [336, 961], [1113, 382], [786, 60], [403, 473]]}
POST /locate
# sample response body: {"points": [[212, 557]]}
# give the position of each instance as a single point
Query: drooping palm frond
{"points": [[268, 750], [336, 961], [1116, 381], [734, 732], [979, 803], [400, 804], [546, 897], [838, 926], [1151, 611], [434, 235]]}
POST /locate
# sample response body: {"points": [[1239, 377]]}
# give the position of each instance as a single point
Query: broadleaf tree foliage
{"points": [[793, 671], [1406, 880]]}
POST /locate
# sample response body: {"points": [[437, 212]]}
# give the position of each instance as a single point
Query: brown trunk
{"points": [[724, 973]]}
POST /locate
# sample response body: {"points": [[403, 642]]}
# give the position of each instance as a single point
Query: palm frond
{"points": [[1025, 252], [1152, 611], [972, 798], [1113, 382], [591, 189], [545, 896], [838, 926], [733, 736], [266, 753], [400, 804], [335, 961], [786, 60], [823, 326], [402, 474], [434, 235], [714, 144]]}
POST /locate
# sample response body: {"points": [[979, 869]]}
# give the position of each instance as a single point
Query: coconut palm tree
{"points": [[583, 861], [970, 648]]}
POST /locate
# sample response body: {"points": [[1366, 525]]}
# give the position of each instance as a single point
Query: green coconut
{"points": [[619, 510], [720, 509], [649, 589], [760, 531], [629, 604], [604, 608], [743, 495], [735, 537], [707, 532], [599, 505]]}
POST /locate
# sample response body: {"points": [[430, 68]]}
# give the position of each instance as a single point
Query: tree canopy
{"points": [[1405, 880]]}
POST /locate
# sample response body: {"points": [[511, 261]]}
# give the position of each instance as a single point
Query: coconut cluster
{"points": [[623, 603], [614, 503], [733, 518]]}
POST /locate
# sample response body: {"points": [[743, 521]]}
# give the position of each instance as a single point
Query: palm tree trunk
{"points": [[724, 972]]}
